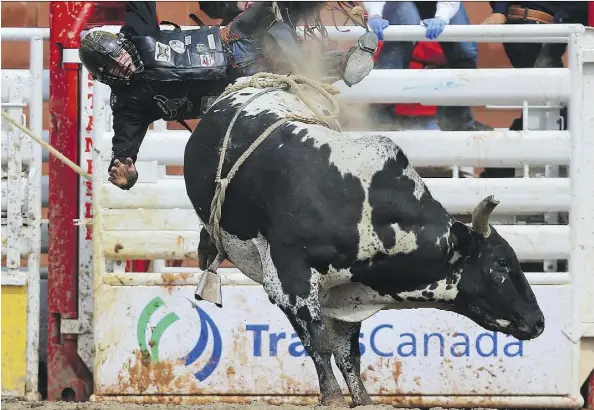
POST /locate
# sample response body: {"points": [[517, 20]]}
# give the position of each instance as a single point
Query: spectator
{"points": [[426, 55], [528, 55], [434, 16], [524, 55]]}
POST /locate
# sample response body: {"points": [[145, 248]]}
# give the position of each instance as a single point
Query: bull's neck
{"points": [[445, 288]]}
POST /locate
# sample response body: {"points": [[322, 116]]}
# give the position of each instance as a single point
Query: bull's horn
{"points": [[480, 215]]}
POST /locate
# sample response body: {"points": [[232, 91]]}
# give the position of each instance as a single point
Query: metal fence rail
{"points": [[21, 209]]}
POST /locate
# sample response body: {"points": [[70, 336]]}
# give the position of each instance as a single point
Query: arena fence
{"points": [[21, 220], [143, 338], [147, 344]]}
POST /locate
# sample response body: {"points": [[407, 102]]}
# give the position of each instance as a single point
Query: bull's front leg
{"points": [[345, 337], [295, 293]]}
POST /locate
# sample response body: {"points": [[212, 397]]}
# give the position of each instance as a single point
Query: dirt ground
{"points": [[8, 404]]}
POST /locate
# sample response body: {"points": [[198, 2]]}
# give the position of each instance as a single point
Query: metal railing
{"points": [[22, 217]]}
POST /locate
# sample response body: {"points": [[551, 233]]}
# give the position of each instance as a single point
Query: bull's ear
{"points": [[463, 237]]}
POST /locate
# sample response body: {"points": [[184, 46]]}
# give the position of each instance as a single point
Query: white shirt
{"points": [[444, 10]]}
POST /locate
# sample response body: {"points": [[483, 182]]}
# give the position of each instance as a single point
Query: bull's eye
{"points": [[502, 264]]}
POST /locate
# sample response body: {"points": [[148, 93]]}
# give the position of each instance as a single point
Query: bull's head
{"points": [[493, 290]]}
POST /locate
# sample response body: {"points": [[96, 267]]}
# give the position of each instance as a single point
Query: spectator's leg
{"points": [[395, 54], [461, 55], [551, 56], [520, 55], [528, 55]]}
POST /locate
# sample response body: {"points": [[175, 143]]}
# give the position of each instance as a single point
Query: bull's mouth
{"points": [[509, 327]]}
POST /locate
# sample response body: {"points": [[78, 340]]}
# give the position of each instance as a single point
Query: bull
{"points": [[336, 229]]}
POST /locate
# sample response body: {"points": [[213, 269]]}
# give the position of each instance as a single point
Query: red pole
{"points": [[591, 13], [68, 376]]}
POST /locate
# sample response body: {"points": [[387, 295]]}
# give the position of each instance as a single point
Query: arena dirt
{"points": [[22, 405]]}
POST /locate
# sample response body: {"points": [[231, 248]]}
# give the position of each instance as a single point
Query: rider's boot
{"points": [[359, 61], [352, 65], [259, 21]]}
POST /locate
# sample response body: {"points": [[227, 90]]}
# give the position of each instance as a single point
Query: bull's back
{"points": [[203, 149], [306, 183]]}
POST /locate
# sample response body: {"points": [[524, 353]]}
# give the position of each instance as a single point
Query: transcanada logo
{"points": [[208, 328], [384, 340]]}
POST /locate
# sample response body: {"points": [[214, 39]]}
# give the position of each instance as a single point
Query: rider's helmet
{"points": [[110, 58]]}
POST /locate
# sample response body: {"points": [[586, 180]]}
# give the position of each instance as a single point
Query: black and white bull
{"points": [[337, 229]]}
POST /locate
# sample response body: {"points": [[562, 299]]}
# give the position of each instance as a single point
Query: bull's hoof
{"points": [[209, 288], [360, 59], [333, 401]]}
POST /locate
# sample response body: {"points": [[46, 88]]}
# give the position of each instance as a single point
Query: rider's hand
{"points": [[434, 27], [377, 25], [123, 175], [495, 18]]}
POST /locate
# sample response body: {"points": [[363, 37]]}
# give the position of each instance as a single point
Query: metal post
{"points": [[581, 215], [14, 218], [68, 377], [83, 325], [544, 120], [34, 219]]}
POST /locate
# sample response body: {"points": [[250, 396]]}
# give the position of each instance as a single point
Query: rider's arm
{"points": [[445, 10], [141, 19], [374, 8], [130, 124]]}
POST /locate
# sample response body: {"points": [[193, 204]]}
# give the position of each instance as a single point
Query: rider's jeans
{"points": [[248, 55]]}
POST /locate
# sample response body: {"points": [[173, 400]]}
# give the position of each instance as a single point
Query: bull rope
{"points": [[269, 82], [48, 146]]}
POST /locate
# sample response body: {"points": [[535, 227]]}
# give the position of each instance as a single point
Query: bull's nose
{"points": [[539, 326]]}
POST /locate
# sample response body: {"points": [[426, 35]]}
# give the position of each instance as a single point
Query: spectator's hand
{"points": [[434, 27], [377, 25], [495, 18]]}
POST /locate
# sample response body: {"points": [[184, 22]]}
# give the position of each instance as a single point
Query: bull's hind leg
{"points": [[291, 285], [309, 326], [345, 336]]}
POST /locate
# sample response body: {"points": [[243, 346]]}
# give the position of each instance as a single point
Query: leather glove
{"points": [[377, 25], [434, 27]]}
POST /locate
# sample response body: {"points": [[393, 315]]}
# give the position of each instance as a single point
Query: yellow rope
{"points": [[50, 148], [269, 82]]}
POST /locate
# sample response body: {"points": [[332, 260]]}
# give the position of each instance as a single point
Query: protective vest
{"points": [[179, 55]]}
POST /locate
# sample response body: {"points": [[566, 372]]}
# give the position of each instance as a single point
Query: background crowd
{"points": [[462, 55]]}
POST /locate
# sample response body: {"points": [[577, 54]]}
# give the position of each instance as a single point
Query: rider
{"points": [[175, 75]]}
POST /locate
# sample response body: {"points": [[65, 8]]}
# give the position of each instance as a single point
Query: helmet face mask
{"points": [[110, 58]]}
